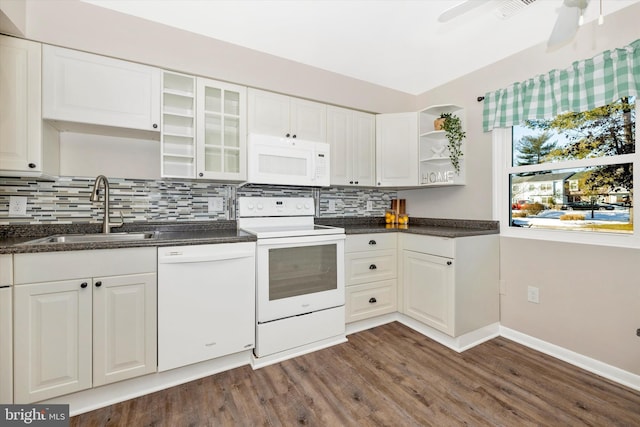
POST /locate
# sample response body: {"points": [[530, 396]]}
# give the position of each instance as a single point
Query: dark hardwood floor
{"points": [[393, 376]]}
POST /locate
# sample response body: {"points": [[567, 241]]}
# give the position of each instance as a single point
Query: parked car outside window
{"points": [[586, 206]]}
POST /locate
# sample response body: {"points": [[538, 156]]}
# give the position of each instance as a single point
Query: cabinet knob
{"points": [[294, 135], [288, 135], [32, 165], [83, 285], [372, 267], [200, 174], [350, 182], [98, 284], [372, 300], [155, 125], [372, 242], [356, 182], [449, 263]]}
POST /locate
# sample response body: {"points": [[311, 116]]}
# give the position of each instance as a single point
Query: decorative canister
{"points": [[438, 123]]}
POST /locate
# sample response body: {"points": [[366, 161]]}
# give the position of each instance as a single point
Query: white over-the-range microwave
{"points": [[287, 161]]}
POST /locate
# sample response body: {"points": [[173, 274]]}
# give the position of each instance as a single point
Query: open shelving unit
{"points": [[435, 168], [178, 126]]}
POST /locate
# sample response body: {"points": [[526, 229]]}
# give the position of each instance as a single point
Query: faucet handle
{"points": [[119, 224]]}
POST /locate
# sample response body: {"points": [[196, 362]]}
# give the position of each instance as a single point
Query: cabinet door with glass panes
{"points": [[221, 129]]}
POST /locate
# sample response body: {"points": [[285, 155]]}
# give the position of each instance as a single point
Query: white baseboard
{"points": [[459, 344], [99, 397], [597, 367]]}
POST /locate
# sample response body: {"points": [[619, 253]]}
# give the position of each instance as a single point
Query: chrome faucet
{"points": [[106, 223]]}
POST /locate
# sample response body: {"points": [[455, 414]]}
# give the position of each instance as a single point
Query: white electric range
{"points": [[300, 291]]}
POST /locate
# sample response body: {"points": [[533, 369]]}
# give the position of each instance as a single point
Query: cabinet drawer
{"points": [[439, 246], [370, 242], [371, 299], [363, 267]]}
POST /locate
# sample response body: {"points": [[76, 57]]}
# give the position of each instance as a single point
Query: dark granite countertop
{"points": [[451, 228], [12, 237]]}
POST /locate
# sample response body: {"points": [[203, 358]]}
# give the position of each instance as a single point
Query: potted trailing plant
{"points": [[452, 127]]}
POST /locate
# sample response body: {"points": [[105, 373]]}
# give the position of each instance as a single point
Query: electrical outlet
{"points": [[215, 204], [17, 205], [533, 294], [332, 205], [369, 205]]}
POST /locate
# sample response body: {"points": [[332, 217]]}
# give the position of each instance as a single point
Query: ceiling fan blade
{"points": [[566, 25], [459, 9]]}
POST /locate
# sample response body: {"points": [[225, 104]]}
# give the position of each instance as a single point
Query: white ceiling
{"points": [[398, 44]]}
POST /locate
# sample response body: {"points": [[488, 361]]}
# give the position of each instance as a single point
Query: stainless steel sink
{"points": [[91, 238]]}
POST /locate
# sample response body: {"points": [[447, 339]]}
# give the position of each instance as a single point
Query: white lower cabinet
{"points": [[371, 271], [450, 284], [93, 328]]}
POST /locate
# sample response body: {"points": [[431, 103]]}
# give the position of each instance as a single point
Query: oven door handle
{"points": [[178, 257]]}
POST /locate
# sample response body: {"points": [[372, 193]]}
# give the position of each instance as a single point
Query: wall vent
{"points": [[508, 8]]}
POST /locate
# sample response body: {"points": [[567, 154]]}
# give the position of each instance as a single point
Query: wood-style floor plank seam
{"points": [[390, 375]]}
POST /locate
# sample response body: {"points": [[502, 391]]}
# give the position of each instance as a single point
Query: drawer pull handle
{"points": [[372, 267], [372, 242], [449, 263], [372, 300]]}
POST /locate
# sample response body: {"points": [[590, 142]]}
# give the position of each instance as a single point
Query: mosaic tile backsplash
{"points": [[66, 200]]}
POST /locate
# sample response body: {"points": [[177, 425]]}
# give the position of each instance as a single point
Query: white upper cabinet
{"points": [[21, 133], [204, 128], [221, 130], [284, 116], [352, 138], [396, 150], [92, 89]]}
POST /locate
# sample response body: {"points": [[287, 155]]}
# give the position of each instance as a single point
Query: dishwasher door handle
{"points": [[179, 258]]}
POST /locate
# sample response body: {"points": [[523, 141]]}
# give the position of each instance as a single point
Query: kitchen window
{"points": [[576, 172]]}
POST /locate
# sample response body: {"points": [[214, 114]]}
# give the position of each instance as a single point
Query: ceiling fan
{"points": [[570, 15]]}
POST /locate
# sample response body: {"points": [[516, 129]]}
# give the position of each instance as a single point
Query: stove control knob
{"points": [[250, 206], [306, 205], [260, 206], [299, 206]]}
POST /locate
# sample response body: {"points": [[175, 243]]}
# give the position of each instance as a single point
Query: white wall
{"points": [[82, 26], [589, 295]]}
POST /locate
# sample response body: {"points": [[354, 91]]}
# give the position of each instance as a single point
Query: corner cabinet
{"points": [[396, 148], [450, 284], [435, 168], [204, 128], [80, 87], [85, 319], [351, 135], [285, 116], [22, 152]]}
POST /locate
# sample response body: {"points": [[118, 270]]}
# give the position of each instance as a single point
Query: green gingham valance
{"points": [[582, 86]]}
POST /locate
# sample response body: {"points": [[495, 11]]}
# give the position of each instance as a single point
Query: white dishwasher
{"points": [[206, 302]]}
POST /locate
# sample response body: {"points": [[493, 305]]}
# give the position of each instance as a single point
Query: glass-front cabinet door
{"points": [[221, 130]]}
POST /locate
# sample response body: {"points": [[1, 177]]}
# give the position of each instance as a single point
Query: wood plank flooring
{"points": [[389, 376]]}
